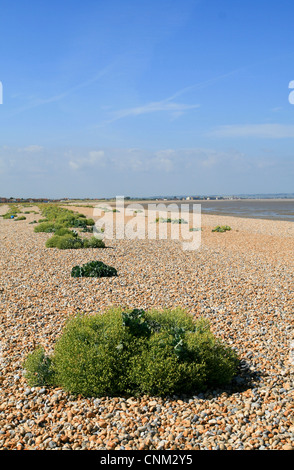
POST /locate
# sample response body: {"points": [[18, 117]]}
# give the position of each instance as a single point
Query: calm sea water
{"points": [[279, 209], [272, 209]]}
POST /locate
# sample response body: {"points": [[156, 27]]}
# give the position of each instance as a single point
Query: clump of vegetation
{"points": [[83, 222], [12, 212], [55, 217], [39, 368], [20, 217], [65, 231], [71, 241], [134, 352], [221, 228], [64, 242], [47, 227], [172, 221], [93, 269], [87, 229], [93, 242], [59, 221]]}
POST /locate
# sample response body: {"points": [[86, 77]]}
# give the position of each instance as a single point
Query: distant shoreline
{"points": [[244, 208]]}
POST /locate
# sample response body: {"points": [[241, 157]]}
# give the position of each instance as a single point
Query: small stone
{"points": [[288, 447]]}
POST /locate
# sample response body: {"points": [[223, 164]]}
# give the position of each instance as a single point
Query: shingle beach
{"points": [[242, 281]]}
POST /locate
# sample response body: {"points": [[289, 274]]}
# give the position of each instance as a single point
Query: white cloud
{"points": [[73, 165], [164, 160], [94, 157]]}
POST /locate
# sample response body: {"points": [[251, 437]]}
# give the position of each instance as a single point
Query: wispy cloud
{"points": [[203, 84], [268, 131], [153, 107], [168, 104]]}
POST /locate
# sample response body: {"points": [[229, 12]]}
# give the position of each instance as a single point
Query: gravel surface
{"points": [[242, 281]]}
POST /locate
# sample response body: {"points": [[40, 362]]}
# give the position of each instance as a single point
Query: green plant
{"points": [[135, 352], [12, 213], [47, 227], [64, 242], [38, 368], [171, 221], [222, 228], [65, 231], [93, 242], [87, 229], [21, 217], [93, 269], [68, 240], [90, 222], [58, 220]]}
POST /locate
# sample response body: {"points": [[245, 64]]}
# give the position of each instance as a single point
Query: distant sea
{"points": [[278, 209], [271, 209]]}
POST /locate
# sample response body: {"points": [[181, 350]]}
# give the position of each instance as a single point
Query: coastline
{"points": [[256, 211]]}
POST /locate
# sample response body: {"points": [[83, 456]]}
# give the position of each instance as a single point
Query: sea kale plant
{"points": [[93, 269]]}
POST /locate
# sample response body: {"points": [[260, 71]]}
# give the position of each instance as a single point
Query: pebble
{"points": [[241, 281]]}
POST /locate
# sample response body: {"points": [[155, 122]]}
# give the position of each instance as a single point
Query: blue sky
{"points": [[142, 98]]}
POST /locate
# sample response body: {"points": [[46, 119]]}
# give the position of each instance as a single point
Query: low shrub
{"points": [[93, 242], [47, 227], [93, 269], [65, 231], [59, 217], [38, 368], [21, 217], [58, 220], [64, 242], [222, 228], [133, 352], [68, 242], [65, 239]]}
